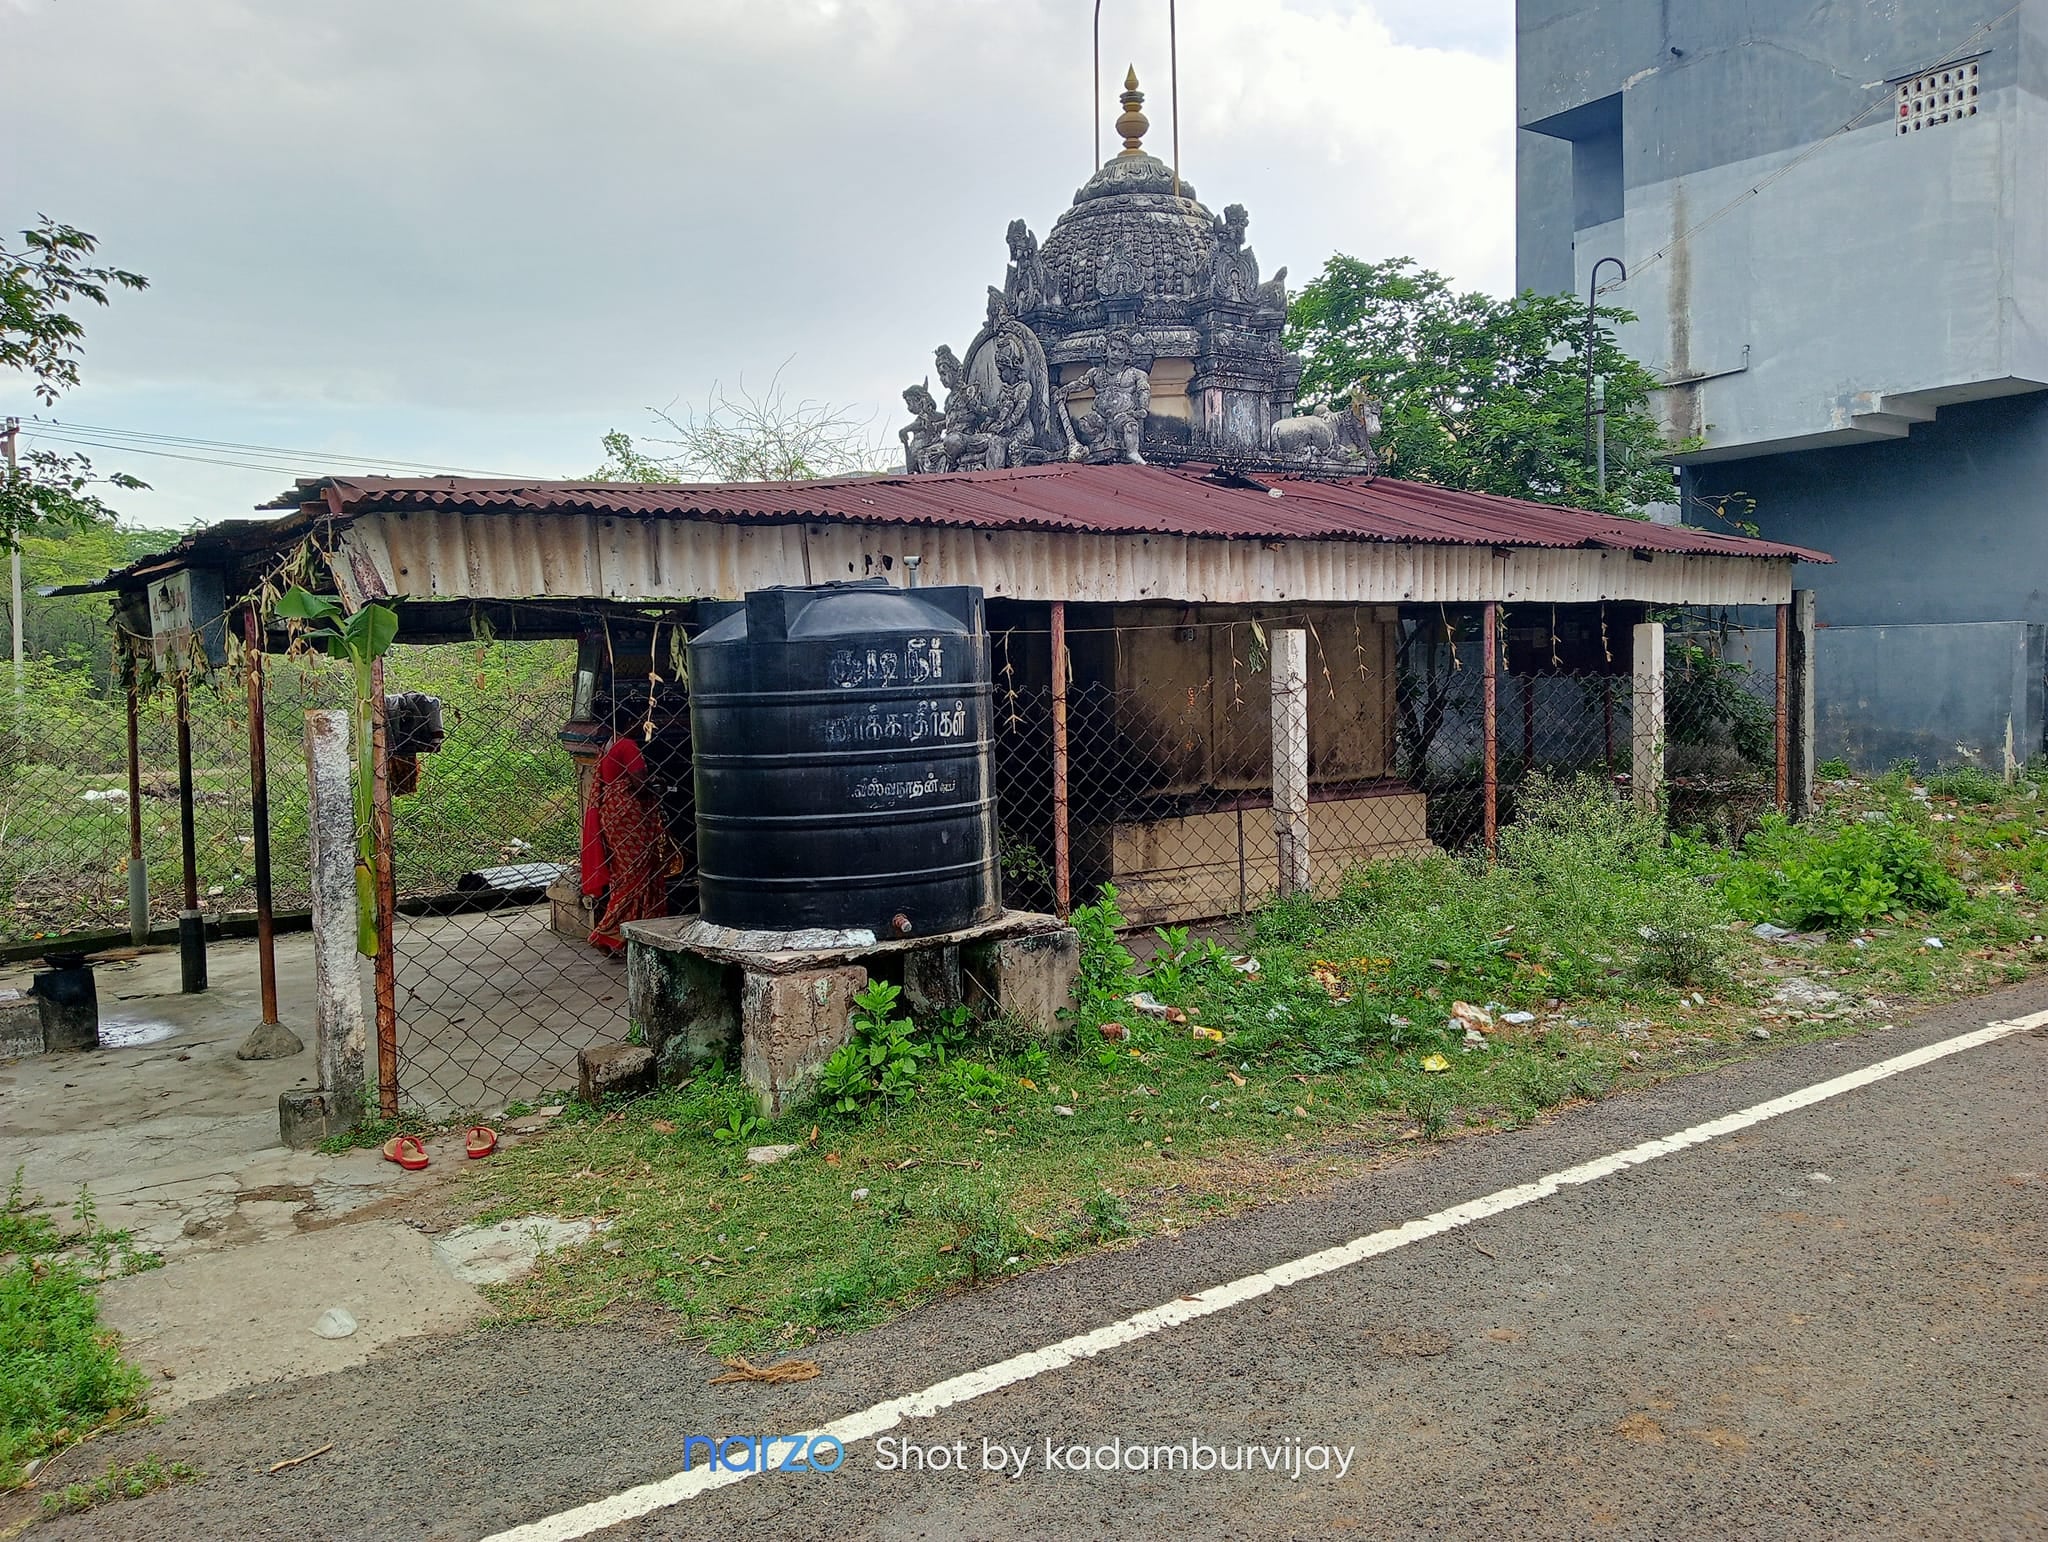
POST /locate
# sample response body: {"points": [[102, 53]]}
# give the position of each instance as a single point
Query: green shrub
{"points": [[1838, 876], [1966, 784], [1107, 969], [1686, 942], [878, 1062], [1834, 769]]}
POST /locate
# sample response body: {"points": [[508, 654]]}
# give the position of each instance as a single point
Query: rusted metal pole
{"points": [[191, 924], [1489, 636], [138, 869], [385, 967], [1783, 730], [259, 816], [1062, 877]]}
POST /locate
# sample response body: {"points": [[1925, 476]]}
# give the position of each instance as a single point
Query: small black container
{"points": [[67, 1002]]}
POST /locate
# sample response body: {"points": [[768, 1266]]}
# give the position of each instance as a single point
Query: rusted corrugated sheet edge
{"points": [[1097, 499], [481, 555]]}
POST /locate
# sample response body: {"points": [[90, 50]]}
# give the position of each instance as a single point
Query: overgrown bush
{"points": [[1838, 876], [1587, 897]]}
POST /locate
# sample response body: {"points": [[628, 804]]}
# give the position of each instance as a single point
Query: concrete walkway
{"points": [[176, 1142]]}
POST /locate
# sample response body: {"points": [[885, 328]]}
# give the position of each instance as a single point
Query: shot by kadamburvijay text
{"points": [[1287, 1458]]}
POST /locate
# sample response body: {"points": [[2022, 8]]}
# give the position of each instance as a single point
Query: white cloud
{"points": [[447, 218]]}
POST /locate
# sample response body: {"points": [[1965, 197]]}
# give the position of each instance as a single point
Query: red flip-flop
{"points": [[481, 1141], [408, 1151]]}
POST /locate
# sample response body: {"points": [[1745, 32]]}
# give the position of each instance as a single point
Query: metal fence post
{"points": [[384, 968], [269, 1039], [191, 920], [138, 869], [1489, 633], [1647, 728], [1062, 851], [1290, 758], [337, 981], [1799, 649]]}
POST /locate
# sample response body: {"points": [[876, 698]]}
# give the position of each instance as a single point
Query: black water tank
{"points": [[842, 742]]}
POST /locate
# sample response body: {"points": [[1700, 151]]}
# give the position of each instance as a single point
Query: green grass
{"points": [[501, 777], [118, 1482], [1630, 951], [61, 1374]]}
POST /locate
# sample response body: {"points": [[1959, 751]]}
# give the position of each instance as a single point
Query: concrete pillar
{"points": [[1799, 651], [306, 1118], [1647, 770], [1290, 757]]}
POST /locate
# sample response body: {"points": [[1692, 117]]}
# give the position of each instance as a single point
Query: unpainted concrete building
{"points": [[1834, 219]]}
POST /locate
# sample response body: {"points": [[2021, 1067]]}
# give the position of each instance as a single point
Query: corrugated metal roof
{"points": [[1094, 500]]}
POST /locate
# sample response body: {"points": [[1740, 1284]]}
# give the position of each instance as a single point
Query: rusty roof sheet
{"points": [[1094, 500]]}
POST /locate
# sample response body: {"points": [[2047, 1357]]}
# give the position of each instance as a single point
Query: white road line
{"points": [[567, 1525]]}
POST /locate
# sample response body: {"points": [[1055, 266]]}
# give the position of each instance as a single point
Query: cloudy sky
{"points": [[478, 233]]}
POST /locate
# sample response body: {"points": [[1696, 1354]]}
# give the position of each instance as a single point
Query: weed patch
{"points": [[61, 1374], [1424, 997], [118, 1482]]}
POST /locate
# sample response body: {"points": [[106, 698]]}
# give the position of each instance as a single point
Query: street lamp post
{"points": [[1592, 303]]}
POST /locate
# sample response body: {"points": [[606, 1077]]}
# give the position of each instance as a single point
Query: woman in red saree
{"points": [[626, 853]]}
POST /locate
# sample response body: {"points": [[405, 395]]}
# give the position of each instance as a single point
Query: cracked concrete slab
{"points": [[234, 1317]]}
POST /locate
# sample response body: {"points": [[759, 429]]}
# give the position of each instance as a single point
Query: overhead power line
{"points": [[254, 457]]}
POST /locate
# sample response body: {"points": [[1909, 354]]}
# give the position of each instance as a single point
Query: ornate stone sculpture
{"points": [[1233, 270], [921, 434], [1114, 426], [1119, 277], [964, 442], [1007, 364], [1139, 257], [1012, 436], [1027, 286], [1334, 440]]}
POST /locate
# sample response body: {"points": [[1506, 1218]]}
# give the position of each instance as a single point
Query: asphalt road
{"points": [[1830, 1323]]}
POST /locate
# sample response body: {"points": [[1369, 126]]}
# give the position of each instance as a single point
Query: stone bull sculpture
{"points": [[1329, 438]]}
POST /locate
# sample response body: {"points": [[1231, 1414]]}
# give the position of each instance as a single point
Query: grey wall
{"points": [[1863, 285], [1949, 525], [1968, 693]]}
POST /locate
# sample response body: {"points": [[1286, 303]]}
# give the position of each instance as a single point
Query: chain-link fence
{"points": [[497, 985], [1167, 789], [1168, 786], [66, 817]]}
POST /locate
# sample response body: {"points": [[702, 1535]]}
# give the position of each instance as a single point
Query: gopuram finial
{"points": [[1133, 123]]}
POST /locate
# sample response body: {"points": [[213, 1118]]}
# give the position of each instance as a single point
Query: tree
{"points": [[748, 437], [1478, 393], [40, 284]]}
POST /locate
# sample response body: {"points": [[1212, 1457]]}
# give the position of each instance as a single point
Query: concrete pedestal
{"points": [[779, 1003]]}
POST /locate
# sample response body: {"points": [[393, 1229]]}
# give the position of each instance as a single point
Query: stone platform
{"points": [[781, 1002]]}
